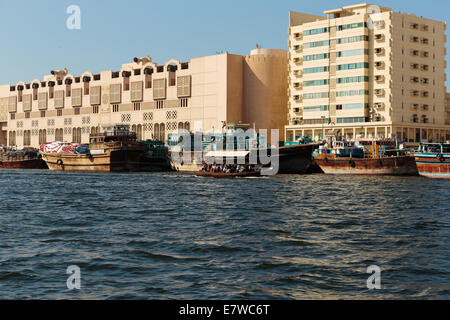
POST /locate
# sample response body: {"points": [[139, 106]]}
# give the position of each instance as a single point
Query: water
{"points": [[175, 236]]}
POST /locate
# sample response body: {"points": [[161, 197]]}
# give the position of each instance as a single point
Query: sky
{"points": [[35, 38]]}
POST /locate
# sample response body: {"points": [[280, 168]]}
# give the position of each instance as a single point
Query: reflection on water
{"points": [[161, 236]]}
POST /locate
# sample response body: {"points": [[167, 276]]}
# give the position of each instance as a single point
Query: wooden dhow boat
{"points": [[371, 158], [433, 160], [115, 149], [21, 159]]}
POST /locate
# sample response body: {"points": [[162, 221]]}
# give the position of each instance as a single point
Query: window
{"points": [[315, 31], [27, 115], [115, 93], [350, 53], [159, 89], [351, 26], [316, 69], [137, 106], [352, 39], [352, 66], [76, 111], [96, 95], [115, 108], [316, 44], [320, 56], [95, 109], [159, 104], [184, 102], [316, 83], [351, 120], [12, 116], [352, 93], [27, 102], [353, 79], [319, 95], [42, 101], [42, 114], [136, 91], [77, 97], [315, 108], [59, 99]]}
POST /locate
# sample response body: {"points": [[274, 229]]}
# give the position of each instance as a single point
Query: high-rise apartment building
{"points": [[200, 95], [365, 70]]}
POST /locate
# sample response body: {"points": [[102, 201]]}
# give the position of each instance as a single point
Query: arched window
{"points": [[12, 138], [139, 132], [156, 131], [162, 132], [187, 126], [180, 125]]}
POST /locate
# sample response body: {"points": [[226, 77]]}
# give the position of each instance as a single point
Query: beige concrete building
{"points": [[447, 108], [200, 95], [365, 70]]}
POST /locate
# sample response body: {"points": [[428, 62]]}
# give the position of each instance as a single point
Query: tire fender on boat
{"points": [[59, 162], [352, 163]]}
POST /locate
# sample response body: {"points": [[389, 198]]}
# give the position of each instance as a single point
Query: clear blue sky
{"points": [[113, 32]]}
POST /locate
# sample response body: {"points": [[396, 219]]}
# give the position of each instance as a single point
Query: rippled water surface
{"points": [[175, 236]]}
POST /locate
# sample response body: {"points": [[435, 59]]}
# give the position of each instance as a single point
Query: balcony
{"points": [[298, 36], [414, 107], [298, 73], [379, 37], [298, 85], [379, 78], [379, 64], [298, 61], [379, 106], [298, 48], [379, 51], [379, 92]]}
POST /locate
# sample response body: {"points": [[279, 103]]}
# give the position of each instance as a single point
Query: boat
{"points": [[296, 159], [433, 160], [222, 175], [291, 158], [115, 149], [155, 157], [21, 159], [366, 158]]}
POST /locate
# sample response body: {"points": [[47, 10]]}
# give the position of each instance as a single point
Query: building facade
{"points": [[201, 95], [365, 70], [447, 108]]}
